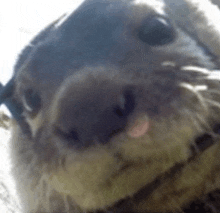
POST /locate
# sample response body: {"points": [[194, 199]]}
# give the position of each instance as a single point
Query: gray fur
{"points": [[95, 77]]}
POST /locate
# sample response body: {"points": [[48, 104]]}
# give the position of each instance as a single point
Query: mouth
{"points": [[205, 137], [128, 204]]}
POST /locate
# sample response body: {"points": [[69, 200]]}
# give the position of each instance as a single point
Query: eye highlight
{"points": [[156, 31], [31, 101]]}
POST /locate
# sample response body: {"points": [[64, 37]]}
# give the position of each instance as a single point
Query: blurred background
{"points": [[20, 21]]}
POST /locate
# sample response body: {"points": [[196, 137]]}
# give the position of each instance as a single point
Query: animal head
{"points": [[116, 108]]}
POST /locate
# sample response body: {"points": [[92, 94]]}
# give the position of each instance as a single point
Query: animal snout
{"points": [[91, 111]]}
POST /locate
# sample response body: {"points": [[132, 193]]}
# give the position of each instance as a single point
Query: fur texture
{"points": [[93, 77]]}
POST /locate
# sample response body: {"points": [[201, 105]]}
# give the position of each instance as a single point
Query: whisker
{"points": [[212, 91], [194, 91], [199, 123], [212, 103]]}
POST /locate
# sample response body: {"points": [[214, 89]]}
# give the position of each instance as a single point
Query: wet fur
{"points": [[173, 86]]}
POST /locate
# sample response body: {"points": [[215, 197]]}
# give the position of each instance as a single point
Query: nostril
{"points": [[216, 128], [204, 141], [126, 106], [118, 111], [73, 135], [69, 136], [84, 124]]}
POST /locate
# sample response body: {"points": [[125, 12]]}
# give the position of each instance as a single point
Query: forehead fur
{"points": [[105, 32]]}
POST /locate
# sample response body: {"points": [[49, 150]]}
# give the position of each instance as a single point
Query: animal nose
{"points": [[92, 112]]}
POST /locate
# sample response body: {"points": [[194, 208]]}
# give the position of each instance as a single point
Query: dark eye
{"points": [[127, 104], [156, 31], [31, 100]]}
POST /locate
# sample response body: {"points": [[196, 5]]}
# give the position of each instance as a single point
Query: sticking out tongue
{"points": [[140, 127]]}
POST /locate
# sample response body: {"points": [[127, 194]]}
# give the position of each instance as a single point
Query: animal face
{"points": [[120, 109]]}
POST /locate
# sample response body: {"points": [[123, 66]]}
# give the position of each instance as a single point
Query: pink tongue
{"points": [[139, 128]]}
